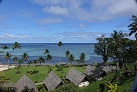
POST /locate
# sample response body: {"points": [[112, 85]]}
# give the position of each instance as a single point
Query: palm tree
{"points": [[67, 55], [71, 58], [41, 60], [116, 45], [16, 45], [5, 47], [25, 57], [48, 57], [7, 56], [15, 59], [35, 61], [133, 26], [82, 57], [46, 51], [59, 44]]}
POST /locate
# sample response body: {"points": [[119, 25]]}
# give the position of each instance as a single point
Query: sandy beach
{"points": [[5, 67]]}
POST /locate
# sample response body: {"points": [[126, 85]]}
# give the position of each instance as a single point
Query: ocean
{"points": [[35, 50]]}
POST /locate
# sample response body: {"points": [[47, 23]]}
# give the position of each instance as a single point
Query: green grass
{"points": [[43, 72], [124, 86]]}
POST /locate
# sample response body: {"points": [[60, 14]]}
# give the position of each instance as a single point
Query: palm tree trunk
{"points": [[59, 54], [8, 63]]}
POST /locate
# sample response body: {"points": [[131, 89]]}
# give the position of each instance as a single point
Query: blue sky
{"points": [[69, 21]]}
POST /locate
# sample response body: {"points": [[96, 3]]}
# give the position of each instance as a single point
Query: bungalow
{"points": [[52, 81], [23, 82], [89, 70], [78, 78]]}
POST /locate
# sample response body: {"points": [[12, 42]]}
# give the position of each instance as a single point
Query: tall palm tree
{"points": [[59, 44], [116, 44], [71, 58], [25, 57], [15, 59], [46, 51], [67, 55], [41, 60], [7, 56], [16, 45], [133, 26], [48, 57], [82, 57], [35, 61]]}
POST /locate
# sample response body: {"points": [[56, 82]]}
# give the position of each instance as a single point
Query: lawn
{"points": [[43, 72], [125, 86]]}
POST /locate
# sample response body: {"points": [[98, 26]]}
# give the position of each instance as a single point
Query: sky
{"points": [[69, 21]]}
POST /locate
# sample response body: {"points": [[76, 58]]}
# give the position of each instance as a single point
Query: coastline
{"points": [[5, 67]]}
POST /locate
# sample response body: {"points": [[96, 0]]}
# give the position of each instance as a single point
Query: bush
{"points": [[18, 72], [40, 87]]}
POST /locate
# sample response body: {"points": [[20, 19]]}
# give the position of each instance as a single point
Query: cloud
{"points": [[82, 25], [89, 10], [49, 20], [56, 10]]}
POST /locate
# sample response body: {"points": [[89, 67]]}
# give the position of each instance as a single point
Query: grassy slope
{"points": [[125, 86], [43, 72]]}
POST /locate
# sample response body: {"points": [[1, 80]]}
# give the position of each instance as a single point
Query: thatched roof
{"points": [[52, 81], [97, 73], [89, 70], [107, 69], [75, 76], [23, 82]]}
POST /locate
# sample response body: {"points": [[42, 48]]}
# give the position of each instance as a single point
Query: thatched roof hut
{"points": [[98, 73], [76, 77], [52, 81], [89, 70], [107, 69], [23, 82]]}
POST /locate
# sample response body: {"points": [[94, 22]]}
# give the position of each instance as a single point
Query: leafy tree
{"points": [[7, 56], [102, 47], [59, 44], [25, 57], [133, 26], [67, 55], [41, 60], [71, 58]]}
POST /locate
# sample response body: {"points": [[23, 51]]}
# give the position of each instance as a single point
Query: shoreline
{"points": [[5, 67]]}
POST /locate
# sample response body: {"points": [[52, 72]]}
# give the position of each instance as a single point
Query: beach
{"points": [[5, 67]]}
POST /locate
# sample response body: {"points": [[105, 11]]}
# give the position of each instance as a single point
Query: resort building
{"points": [[78, 78], [52, 81], [23, 82]]}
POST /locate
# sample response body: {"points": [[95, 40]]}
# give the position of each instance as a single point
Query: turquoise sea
{"points": [[34, 50]]}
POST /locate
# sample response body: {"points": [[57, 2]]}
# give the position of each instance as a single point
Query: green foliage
{"points": [[102, 47], [40, 87], [59, 67], [112, 88], [67, 88]]}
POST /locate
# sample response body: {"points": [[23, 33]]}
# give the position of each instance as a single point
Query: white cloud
{"points": [[82, 25], [56, 10], [49, 20], [90, 10]]}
